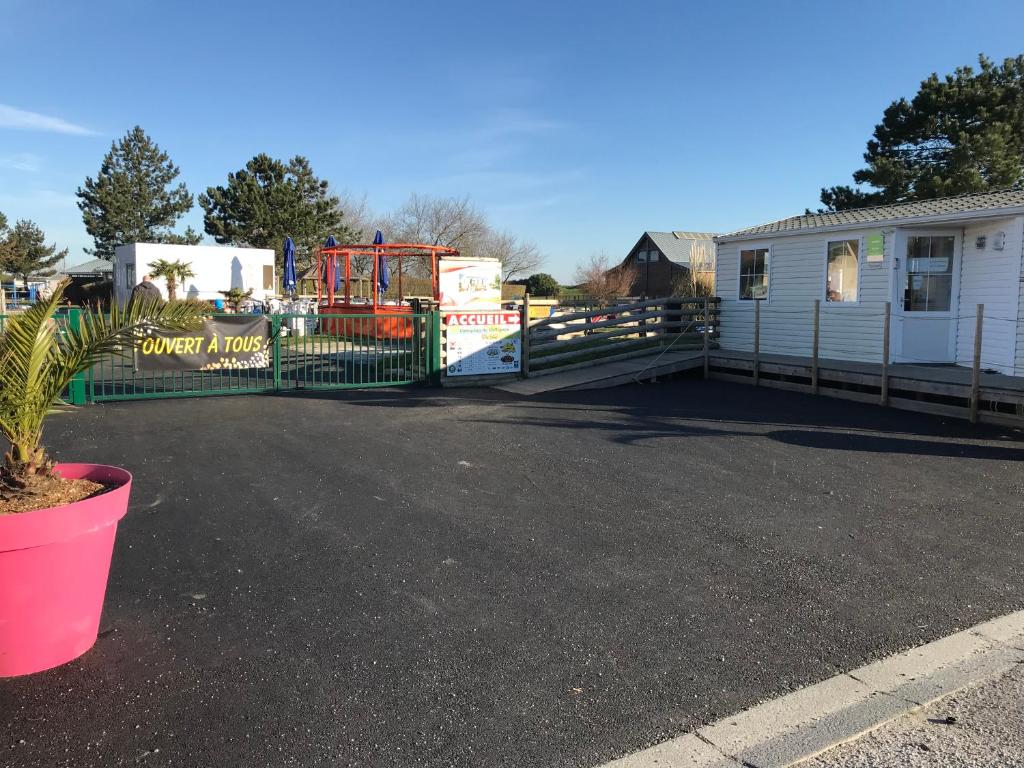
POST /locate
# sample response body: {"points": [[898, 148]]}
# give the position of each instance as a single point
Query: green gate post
{"points": [[435, 348], [76, 389], [275, 330]]}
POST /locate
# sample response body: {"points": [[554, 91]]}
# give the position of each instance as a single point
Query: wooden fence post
{"points": [[707, 343], [525, 343], [814, 348], [976, 368], [757, 341], [885, 353]]}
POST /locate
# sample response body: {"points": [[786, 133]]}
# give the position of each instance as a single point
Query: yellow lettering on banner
{"points": [[212, 346], [147, 346]]}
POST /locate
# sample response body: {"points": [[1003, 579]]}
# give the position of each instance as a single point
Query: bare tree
{"points": [[692, 284], [447, 221], [598, 279], [363, 222], [359, 218], [518, 257]]}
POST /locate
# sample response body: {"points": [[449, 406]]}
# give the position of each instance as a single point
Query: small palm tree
{"points": [[235, 297], [38, 360], [173, 272]]}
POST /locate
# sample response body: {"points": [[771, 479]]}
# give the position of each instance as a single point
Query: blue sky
{"points": [[576, 124]]}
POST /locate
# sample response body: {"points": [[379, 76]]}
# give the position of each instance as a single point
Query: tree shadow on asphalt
{"points": [[636, 414]]}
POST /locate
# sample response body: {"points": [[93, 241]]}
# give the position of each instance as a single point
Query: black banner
{"points": [[223, 343]]}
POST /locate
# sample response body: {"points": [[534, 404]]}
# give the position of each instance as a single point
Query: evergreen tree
{"points": [[131, 199], [4, 240], [542, 284], [24, 252], [269, 200], [962, 133]]}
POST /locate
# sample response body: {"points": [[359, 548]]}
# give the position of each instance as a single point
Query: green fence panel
{"points": [[76, 389], [307, 352], [75, 393], [344, 351], [320, 352]]}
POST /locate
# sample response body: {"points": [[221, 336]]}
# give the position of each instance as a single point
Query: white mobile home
{"points": [[217, 268], [934, 261]]}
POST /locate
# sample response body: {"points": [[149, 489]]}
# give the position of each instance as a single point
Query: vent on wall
{"points": [[979, 242]]}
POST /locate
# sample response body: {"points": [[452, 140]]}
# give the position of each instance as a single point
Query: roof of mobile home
{"points": [[975, 205]]}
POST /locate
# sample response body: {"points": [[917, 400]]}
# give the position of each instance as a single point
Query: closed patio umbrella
{"points": [[332, 243], [383, 273], [290, 281]]}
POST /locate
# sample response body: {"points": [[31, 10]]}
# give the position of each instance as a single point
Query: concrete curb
{"points": [[807, 722]]}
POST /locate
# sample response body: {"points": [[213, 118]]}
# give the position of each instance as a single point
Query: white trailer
{"points": [[217, 268]]}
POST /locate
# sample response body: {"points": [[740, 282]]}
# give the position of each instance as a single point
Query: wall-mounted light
{"points": [[998, 241]]}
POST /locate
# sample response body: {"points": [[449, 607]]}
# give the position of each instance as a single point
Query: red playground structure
{"points": [[384, 318]]}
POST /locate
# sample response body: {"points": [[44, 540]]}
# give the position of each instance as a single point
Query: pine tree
{"points": [[269, 200], [24, 252], [963, 133], [131, 199]]}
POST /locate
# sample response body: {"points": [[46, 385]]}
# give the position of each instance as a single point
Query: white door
{"points": [[927, 285]]}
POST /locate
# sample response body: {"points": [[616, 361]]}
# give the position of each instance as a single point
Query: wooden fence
{"points": [[579, 339], [945, 389]]}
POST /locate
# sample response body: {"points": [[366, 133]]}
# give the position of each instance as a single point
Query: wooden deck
{"points": [[939, 389]]}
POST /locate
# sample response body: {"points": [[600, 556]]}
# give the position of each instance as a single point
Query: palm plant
{"points": [[235, 297], [173, 272], [38, 360]]}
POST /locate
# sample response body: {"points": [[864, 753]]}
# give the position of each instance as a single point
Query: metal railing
{"points": [[307, 352]]}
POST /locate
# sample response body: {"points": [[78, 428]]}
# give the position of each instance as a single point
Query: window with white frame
{"points": [[929, 273], [754, 267], [842, 273]]}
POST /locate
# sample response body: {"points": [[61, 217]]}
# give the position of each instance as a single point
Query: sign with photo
{"points": [[223, 343], [482, 343], [469, 283]]}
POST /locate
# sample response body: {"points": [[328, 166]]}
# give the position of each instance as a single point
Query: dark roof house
{"points": [[662, 259]]}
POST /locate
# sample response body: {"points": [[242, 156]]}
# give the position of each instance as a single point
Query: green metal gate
{"points": [[308, 352], [67, 317]]}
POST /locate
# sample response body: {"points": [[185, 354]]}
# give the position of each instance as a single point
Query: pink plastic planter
{"points": [[53, 574]]}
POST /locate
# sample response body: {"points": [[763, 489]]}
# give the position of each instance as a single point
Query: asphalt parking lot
{"points": [[467, 578]]}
